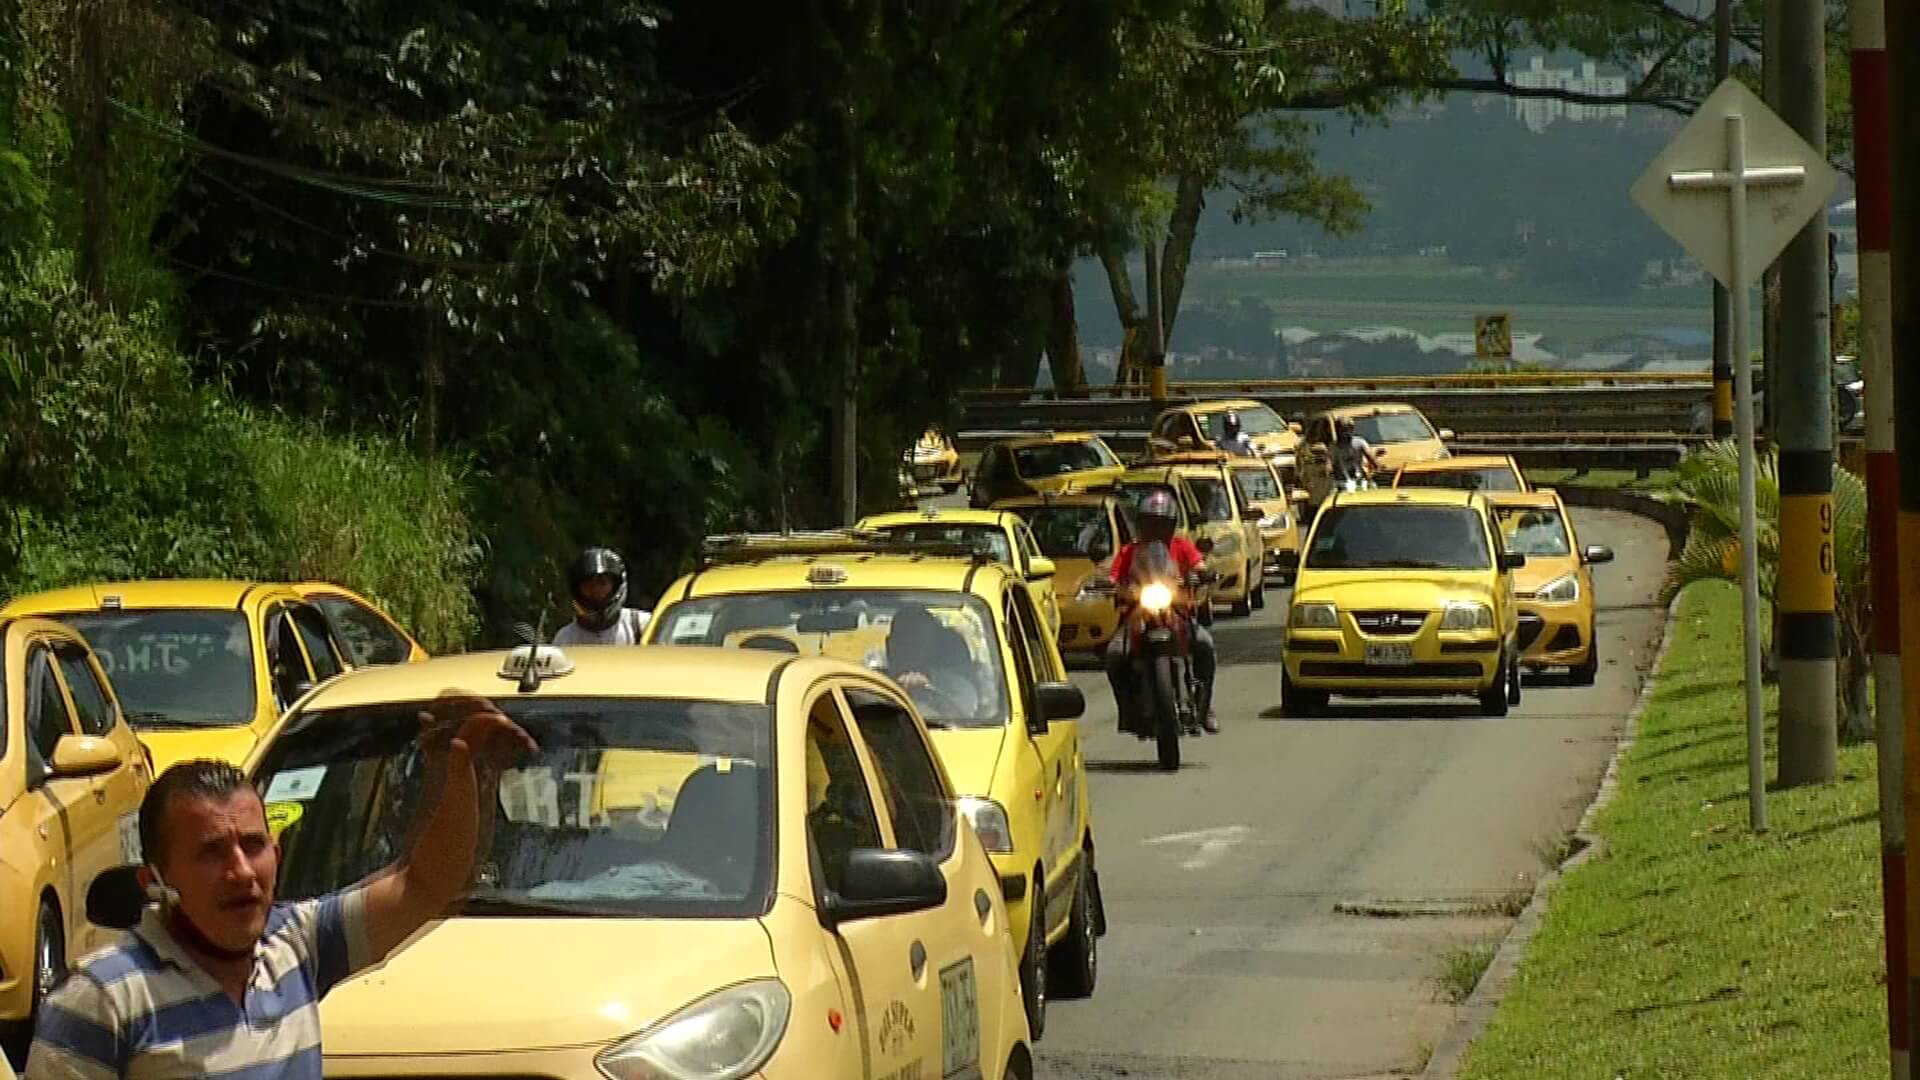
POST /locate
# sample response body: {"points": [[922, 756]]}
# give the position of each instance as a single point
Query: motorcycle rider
{"points": [[1235, 441], [1353, 457], [1156, 517], [597, 585]]}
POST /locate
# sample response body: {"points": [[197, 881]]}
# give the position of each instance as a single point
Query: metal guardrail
{"points": [[1255, 388]]}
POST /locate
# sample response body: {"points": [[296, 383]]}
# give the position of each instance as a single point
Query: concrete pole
{"points": [[1808, 642], [1773, 12], [1722, 311], [1903, 98], [1873, 179]]}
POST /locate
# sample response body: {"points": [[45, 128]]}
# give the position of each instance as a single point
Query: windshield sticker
{"points": [[282, 814], [295, 785]]}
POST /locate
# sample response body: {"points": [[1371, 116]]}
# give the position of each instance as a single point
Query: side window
{"points": [[1027, 543], [47, 718], [1041, 664], [369, 638], [285, 664], [319, 642], [90, 706], [921, 806], [840, 815]]}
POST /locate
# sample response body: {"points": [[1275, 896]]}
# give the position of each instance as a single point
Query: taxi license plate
{"points": [[960, 1018], [1389, 655]]}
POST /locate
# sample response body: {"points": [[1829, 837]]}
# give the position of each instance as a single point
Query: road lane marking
{"points": [[1210, 845]]}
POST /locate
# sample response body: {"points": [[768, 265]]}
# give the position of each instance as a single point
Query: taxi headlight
{"points": [[1463, 615], [989, 819], [1314, 617], [726, 1035], [1561, 590], [1156, 597], [1274, 521]]}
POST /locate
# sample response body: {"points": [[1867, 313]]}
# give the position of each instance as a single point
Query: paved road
{"points": [[1227, 959]]}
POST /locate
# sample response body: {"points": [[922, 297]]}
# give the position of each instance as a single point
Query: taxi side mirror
{"points": [[1286, 560], [1514, 560], [1446, 434], [1040, 568], [84, 755], [1295, 427], [1596, 553], [877, 882], [116, 898], [1298, 496], [1055, 701]]}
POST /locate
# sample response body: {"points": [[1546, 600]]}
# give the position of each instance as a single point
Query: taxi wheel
{"points": [[1513, 683], [1259, 577], [1585, 672], [1076, 960], [1206, 614], [1296, 702], [1033, 967], [1493, 700]]}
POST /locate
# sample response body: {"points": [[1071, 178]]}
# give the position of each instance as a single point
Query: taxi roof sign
{"points": [[532, 663]]}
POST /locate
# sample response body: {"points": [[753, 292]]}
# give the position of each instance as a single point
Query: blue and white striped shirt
{"points": [[145, 1010]]}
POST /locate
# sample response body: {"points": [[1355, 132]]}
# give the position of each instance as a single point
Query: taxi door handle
{"points": [[100, 795], [917, 956]]}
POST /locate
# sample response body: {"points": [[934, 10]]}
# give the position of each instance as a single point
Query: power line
{"points": [[306, 294]]}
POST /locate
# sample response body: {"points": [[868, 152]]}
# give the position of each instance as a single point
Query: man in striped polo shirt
{"points": [[218, 980]]}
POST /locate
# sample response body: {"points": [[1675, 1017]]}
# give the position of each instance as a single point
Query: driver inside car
{"points": [[931, 662]]}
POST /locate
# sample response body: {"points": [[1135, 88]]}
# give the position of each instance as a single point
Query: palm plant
{"points": [[1707, 482]]}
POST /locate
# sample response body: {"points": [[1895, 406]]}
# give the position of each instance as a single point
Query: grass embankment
{"points": [[1691, 948]]}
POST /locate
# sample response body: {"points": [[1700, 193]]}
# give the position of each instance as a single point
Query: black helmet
{"points": [[1344, 425], [592, 563], [1157, 514], [1233, 424]]}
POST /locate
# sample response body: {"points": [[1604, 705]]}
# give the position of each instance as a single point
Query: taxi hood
{"points": [[172, 745], [478, 984], [971, 755], [1543, 570], [1409, 590]]}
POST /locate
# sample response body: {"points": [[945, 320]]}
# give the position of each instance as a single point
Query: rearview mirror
{"points": [[1596, 553], [876, 882], [1040, 568], [84, 755], [116, 898], [828, 622], [1514, 560], [1055, 701]]}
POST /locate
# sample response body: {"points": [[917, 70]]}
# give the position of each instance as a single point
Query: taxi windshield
{"points": [[1256, 485], [631, 806], [1381, 429], [1532, 530], [1489, 478], [1254, 420], [1399, 538], [1212, 493], [1054, 459], [1070, 532], [991, 539], [940, 647], [174, 668]]}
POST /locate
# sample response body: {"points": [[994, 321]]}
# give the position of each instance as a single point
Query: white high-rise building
{"points": [[1539, 113]]}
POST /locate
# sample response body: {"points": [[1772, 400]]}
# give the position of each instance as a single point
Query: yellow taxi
{"points": [[1002, 535], [1201, 426], [370, 635], [1081, 533], [1555, 588], [1056, 462], [1236, 552], [961, 635], [934, 461], [1398, 433], [1403, 593], [1487, 473], [71, 779], [202, 667], [807, 901], [1260, 485]]}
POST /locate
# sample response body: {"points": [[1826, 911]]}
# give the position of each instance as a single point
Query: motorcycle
{"points": [[1165, 697]]}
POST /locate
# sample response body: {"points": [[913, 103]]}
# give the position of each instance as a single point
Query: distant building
{"points": [[1540, 113]]}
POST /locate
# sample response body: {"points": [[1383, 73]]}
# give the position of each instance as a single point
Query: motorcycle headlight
{"points": [[1156, 597], [1459, 615], [1314, 617], [989, 819], [1561, 590], [726, 1035]]}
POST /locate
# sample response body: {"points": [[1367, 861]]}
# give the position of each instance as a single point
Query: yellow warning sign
{"points": [[1493, 336], [282, 814]]}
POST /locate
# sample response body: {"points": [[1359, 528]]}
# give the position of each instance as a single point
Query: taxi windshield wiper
{"points": [[160, 721], [493, 904]]}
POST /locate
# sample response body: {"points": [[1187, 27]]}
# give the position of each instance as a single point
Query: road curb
{"points": [[1477, 1012]]}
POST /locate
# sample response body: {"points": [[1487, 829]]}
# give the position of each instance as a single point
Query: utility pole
{"points": [[1722, 308], [1808, 637], [1903, 98], [842, 240], [95, 150], [1157, 326], [1873, 179]]}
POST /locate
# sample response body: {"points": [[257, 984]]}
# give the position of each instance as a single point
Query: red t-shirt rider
{"points": [[1157, 516]]}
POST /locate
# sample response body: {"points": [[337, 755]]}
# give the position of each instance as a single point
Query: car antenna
{"points": [[530, 676]]}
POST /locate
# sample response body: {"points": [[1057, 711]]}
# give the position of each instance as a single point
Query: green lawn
{"points": [[1621, 479], [1691, 948]]}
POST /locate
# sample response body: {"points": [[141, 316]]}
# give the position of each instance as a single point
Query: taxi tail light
{"points": [[989, 820], [726, 1035]]}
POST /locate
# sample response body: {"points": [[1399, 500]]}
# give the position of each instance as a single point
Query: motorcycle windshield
{"points": [[1154, 562]]}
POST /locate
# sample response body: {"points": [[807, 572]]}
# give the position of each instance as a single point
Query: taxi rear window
{"points": [[1491, 478], [174, 667], [1399, 538], [1053, 459]]}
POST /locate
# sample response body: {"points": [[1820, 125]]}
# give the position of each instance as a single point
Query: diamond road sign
{"points": [[1696, 215]]}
